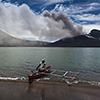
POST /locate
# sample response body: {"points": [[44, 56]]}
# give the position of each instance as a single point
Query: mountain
{"points": [[89, 40], [7, 40]]}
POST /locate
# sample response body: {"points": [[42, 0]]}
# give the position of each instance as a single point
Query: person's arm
{"points": [[38, 66]]}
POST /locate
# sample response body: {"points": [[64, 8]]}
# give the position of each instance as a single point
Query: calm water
{"points": [[19, 61]]}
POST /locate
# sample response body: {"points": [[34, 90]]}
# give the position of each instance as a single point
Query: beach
{"points": [[42, 90]]}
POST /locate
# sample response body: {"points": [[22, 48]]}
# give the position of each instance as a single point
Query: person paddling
{"points": [[41, 66]]}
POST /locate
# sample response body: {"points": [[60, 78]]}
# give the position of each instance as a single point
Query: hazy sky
{"points": [[49, 19]]}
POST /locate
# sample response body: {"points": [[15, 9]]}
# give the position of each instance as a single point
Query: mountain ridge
{"points": [[9, 41], [89, 40]]}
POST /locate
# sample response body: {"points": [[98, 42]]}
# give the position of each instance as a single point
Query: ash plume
{"points": [[67, 27]]}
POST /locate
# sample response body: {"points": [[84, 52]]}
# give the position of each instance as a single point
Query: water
{"points": [[19, 61]]}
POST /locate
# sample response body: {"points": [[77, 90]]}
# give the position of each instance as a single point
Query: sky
{"points": [[49, 20]]}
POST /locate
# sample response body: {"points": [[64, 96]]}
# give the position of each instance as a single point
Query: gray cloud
{"points": [[22, 22], [66, 24]]}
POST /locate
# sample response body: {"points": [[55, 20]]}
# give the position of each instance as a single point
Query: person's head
{"points": [[43, 60]]}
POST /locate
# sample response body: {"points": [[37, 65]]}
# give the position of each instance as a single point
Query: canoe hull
{"points": [[37, 75]]}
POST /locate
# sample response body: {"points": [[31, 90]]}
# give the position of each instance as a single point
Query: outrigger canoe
{"points": [[68, 79], [37, 75]]}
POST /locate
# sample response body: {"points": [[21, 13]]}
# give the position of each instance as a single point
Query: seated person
{"points": [[41, 66]]}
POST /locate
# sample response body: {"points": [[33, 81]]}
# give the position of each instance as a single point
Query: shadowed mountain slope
{"points": [[89, 40], [7, 40]]}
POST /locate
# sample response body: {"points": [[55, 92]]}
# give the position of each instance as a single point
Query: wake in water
{"points": [[93, 83], [10, 78]]}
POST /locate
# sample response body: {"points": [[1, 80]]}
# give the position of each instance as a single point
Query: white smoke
{"points": [[22, 22]]}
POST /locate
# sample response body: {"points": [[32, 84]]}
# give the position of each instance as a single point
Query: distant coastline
{"points": [[89, 40]]}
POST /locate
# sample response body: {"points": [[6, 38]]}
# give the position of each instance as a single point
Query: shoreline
{"points": [[24, 80], [43, 90]]}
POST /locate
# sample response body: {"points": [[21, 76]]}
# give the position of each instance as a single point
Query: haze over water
{"points": [[19, 61]]}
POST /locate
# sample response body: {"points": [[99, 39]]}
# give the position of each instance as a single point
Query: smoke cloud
{"points": [[64, 23], [22, 22]]}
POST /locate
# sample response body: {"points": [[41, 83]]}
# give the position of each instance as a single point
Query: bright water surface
{"points": [[19, 61]]}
